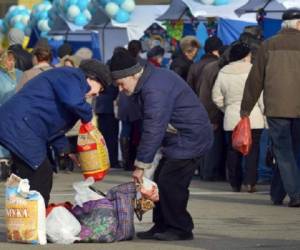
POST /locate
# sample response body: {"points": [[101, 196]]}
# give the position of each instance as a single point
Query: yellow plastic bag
{"points": [[93, 154]]}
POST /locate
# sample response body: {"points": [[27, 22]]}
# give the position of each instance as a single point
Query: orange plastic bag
{"points": [[242, 137], [93, 154]]}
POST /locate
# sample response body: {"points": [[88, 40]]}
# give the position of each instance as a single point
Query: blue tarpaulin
{"points": [[271, 27], [230, 30]]}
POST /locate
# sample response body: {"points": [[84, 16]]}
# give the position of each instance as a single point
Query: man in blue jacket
{"points": [[40, 114], [173, 118]]}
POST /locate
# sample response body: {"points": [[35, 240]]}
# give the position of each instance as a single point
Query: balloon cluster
{"points": [[215, 2], [119, 10], [40, 18], [17, 17], [75, 11]]}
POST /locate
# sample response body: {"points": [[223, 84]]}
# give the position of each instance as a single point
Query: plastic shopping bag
{"points": [[93, 153], [62, 226], [84, 193], [149, 190], [242, 137], [25, 212]]}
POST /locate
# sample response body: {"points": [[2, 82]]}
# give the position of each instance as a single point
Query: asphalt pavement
{"points": [[223, 220]]}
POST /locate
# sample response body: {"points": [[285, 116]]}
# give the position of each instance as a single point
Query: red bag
{"points": [[242, 137]]}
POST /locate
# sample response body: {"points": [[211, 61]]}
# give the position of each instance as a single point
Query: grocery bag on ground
{"points": [[122, 197], [242, 136], [25, 214], [98, 221], [93, 154], [84, 192], [62, 227]]}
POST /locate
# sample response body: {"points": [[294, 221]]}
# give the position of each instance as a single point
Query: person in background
{"points": [[84, 53], [227, 94], [276, 73], [173, 117], [70, 61], [43, 111], [183, 59], [23, 58], [135, 49], [212, 46], [155, 55], [9, 79], [62, 51], [42, 57]]}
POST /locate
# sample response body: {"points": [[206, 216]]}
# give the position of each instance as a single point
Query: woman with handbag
{"points": [[227, 95]]}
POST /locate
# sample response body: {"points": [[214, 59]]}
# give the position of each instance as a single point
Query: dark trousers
{"points": [[173, 178], [39, 180], [109, 127], [285, 135], [235, 159], [213, 162]]}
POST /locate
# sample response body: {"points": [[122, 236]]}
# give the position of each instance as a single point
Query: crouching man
{"points": [[172, 118]]}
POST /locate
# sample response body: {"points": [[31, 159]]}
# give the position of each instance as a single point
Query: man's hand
{"points": [[137, 175]]}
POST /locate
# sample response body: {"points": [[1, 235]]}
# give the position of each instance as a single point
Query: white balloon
{"points": [[15, 19], [73, 11], [25, 19], [11, 8], [111, 9], [87, 14], [128, 5], [43, 25], [208, 2]]}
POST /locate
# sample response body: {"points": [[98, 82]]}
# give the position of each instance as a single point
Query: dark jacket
{"points": [[276, 71], [23, 57], [128, 111], [42, 112], [172, 117], [181, 65], [208, 78], [104, 103], [195, 72]]}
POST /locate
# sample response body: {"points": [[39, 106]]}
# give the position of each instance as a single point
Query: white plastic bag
{"points": [[149, 190], [25, 212], [149, 172], [62, 227], [84, 193]]}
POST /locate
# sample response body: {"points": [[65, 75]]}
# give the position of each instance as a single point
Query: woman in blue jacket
{"points": [[40, 114]]}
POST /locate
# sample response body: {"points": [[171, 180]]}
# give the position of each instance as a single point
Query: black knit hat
{"points": [[96, 70], [239, 51], [122, 64], [155, 51], [212, 43]]}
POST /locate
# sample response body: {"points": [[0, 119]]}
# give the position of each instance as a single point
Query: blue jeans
{"points": [[285, 135]]}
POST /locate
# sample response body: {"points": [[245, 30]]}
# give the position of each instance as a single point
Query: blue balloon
{"points": [[104, 2], [119, 2], [43, 15], [122, 16], [20, 26], [80, 20], [83, 4], [221, 2]]}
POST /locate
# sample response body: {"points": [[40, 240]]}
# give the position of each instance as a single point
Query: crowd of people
{"points": [[158, 110]]}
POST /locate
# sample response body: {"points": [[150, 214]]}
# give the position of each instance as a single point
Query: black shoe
{"points": [[294, 203], [171, 236], [277, 203], [148, 235]]}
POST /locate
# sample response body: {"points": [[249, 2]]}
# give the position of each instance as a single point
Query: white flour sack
{"points": [[25, 213]]}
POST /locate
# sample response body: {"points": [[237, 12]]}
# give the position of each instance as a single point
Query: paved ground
{"points": [[223, 220]]}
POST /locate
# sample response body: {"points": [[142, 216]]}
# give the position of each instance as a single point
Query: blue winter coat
{"points": [[166, 101], [42, 112]]}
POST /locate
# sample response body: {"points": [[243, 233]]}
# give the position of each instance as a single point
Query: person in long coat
{"points": [[40, 114]]}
